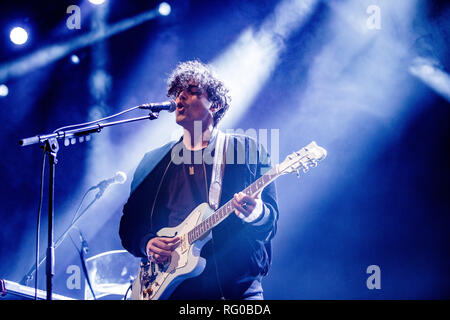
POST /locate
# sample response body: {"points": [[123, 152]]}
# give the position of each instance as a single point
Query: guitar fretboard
{"points": [[220, 214]]}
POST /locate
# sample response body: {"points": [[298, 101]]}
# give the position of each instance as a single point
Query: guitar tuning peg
{"points": [[305, 169], [298, 173]]}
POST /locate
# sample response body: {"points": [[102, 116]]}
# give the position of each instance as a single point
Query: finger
{"points": [[249, 200], [167, 244], [238, 196], [160, 244], [241, 196], [245, 201], [158, 258], [236, 205], [170, 240], [159, 251], [172, 243], [238, 208]]}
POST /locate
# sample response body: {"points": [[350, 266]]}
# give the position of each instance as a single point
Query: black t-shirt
{"points": [[185, 186]]}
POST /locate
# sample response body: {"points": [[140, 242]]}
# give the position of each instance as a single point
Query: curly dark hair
{"points": [[204, 77]]}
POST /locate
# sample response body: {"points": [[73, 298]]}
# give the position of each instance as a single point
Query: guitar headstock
{"points": [[304, 159]]}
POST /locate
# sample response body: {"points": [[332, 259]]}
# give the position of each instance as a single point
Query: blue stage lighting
{"points": [[96, 2], [75, 59], [164, 9], [3, 90], [18, 35]]}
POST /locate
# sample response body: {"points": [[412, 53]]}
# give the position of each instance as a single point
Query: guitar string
{"points": [[196, 230]]}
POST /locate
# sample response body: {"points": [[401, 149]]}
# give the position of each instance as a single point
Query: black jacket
{"points": [[240, 253]]}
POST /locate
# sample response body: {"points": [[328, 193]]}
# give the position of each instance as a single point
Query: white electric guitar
{"points": [[157, 281]]}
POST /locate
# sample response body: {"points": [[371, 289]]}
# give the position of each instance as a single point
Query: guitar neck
{"points": [[222, 213]]}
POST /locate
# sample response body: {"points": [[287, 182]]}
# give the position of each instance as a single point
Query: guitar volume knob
{"points": [[148, 291]]}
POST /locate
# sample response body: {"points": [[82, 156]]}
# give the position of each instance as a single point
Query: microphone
{"points": [[120, 178], [158, 106]]}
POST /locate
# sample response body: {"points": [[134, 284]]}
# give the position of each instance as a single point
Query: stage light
{"points": [[75, 59], [164, 9], [248, 63], [48, 54], [432, 75], [97, 2], [3, 90], [18, 35]]}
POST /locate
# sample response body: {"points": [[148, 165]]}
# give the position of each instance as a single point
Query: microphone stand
{"points": [[29, 275], [51, 147], [84, 250]]}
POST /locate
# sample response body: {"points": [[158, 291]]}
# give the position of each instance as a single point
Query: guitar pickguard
{"points": [[157, 281]]}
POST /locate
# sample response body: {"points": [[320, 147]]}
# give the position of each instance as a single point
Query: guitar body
{"points": [[158, 281]]}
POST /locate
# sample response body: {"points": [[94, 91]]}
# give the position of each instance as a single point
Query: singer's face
{"points": [[193, 105]]}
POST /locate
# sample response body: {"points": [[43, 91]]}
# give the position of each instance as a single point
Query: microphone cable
{"points": [[81, 203], [81, 253], [38, 222], [96, 121], [126, 292], [97, 196]]}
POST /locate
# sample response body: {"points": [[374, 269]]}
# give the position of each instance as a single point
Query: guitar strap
{"points": [[215, 188]]}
